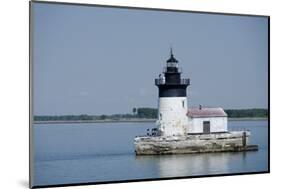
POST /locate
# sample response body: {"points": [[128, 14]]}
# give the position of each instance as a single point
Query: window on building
{"points": [[206, 127]]}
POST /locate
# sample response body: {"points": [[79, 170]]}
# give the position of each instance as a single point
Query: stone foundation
{"points": [[194, 143]]}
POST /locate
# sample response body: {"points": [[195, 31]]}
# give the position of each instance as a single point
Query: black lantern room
{"points": [[170, 83]]}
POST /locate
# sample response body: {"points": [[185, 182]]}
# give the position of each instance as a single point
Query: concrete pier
{"points": [[194, 143]]}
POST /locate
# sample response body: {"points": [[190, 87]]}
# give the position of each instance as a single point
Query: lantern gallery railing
{"points": [[172, 69], [161, 81]]}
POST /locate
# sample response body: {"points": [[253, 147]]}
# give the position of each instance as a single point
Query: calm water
{"points": [[77, 153]]}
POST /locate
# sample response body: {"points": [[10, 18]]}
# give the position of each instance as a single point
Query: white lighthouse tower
{"points": [[172, 102]]}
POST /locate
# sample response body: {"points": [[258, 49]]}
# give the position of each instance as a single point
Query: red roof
{"points": [[206, 112]]}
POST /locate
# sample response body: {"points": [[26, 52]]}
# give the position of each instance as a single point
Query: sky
{"points": [[97, 60]]}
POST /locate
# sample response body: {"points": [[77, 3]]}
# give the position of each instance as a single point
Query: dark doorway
{"points": [[206, 127]]}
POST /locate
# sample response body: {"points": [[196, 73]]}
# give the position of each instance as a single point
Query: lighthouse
{"points": [[182, 129], [172, 99]]}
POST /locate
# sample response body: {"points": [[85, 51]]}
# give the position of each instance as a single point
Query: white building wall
{"points": [[172, 119], [217, 124]]}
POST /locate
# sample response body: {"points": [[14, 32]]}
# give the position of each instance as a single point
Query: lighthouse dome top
{"points": [[172, 59]]}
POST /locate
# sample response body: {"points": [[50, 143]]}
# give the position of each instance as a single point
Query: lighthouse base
{"points": [[235, 141]]}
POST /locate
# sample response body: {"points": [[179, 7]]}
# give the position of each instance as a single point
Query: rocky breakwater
{"points": [[235, 141]]}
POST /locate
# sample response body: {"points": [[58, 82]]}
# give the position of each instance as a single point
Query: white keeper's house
{"points": [[206, 120]]}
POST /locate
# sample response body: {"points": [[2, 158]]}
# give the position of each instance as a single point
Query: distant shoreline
{"points": [[96, 121], [247, 118], [136, 120]]}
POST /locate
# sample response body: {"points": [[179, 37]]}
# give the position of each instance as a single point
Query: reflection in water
{"points": [[189, 164]]}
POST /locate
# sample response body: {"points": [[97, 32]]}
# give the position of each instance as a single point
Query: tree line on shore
{"points": [[147, 113]]}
